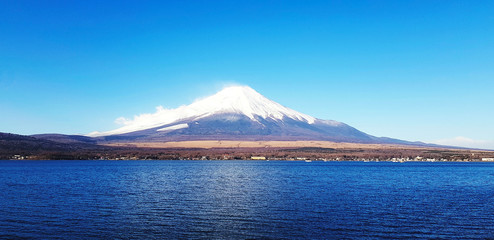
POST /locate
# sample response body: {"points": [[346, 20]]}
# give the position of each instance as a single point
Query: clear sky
{"points": [[413, 70]]}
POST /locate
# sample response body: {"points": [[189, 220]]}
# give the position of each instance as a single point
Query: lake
{"points": [[245, 200]]}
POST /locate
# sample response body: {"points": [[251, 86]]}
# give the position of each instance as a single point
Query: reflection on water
{"points": [[245, 199]]}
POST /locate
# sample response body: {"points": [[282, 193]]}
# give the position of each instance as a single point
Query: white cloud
{"points": [[122, 121], [140, 118], [466, 142]]}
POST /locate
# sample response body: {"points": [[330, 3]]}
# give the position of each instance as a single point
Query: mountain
{"points": [[234, 113], [9, 141], [62, 138], [41, 146]]}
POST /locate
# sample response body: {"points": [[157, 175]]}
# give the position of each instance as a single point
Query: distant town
{"points": [[312, 154]]}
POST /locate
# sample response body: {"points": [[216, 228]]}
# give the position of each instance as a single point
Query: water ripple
{"points": [[245, 200]]}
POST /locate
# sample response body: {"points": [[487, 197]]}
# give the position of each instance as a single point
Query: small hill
{"points": [[14, 144], [62, 138]]}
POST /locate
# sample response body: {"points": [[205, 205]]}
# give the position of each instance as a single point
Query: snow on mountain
{"points": [[231, 100], [174, 127]]}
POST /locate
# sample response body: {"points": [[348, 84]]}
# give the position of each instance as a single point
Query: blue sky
{"points": [[414, 70]]}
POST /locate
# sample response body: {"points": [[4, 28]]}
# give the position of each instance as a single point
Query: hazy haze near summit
{"points": [[416, 70]]}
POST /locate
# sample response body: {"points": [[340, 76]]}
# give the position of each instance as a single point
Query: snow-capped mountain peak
{"points": [[235, 99], [245, 100]]}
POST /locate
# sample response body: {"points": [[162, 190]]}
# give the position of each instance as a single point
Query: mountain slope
{"points": [[234, 113]]}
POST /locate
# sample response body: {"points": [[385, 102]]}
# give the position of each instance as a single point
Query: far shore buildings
{"points": [[488, 159]]}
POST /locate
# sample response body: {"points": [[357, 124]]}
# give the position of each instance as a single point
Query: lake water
{"points": [[245, 200]]}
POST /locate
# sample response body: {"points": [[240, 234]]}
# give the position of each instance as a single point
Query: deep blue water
{"points": [[245, 199]]}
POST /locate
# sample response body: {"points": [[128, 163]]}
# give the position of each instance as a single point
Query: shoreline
{"points": [[254, 150]]}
